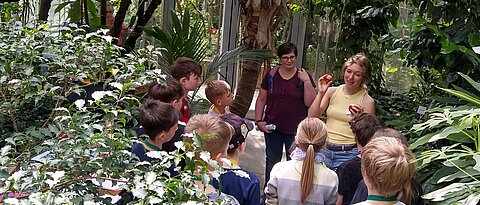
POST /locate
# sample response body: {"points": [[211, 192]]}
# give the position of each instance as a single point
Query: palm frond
{"points": [[180, 38], [242, 53]]}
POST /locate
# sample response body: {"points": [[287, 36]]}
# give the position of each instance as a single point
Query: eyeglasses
{"points": [[286, 58]]}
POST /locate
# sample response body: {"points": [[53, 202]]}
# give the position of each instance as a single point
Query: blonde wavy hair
{"points": [[362, 60], [220, 133], [216, 89], [386, 165], [407, 193], [311, 137]]}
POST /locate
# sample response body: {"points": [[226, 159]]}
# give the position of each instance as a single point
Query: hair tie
{"points": [[298, 154], [311, 144]]}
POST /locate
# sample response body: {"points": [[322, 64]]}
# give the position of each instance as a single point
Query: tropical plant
{"points": [[260, 20], [183, 38], [10, 11], [77, 152], [80, 11], [449, 161], [442, 36]]}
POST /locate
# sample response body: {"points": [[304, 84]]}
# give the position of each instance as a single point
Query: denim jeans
{"points": [[274, 143], [333, 159]]}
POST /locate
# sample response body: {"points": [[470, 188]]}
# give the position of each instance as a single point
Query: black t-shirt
{"points": [[349, 174]]}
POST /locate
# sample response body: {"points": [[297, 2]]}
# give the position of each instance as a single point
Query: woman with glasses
{"points": [[341, 104], [285, 95]]}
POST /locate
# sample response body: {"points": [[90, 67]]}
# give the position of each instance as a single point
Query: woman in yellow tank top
{"points": [[337, 101]]}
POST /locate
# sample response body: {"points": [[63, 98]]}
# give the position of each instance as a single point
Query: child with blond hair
{"points": [[386, 170], [245, 189], [305, 179], [216, 143], [218, 92], [364, 126], [410, 194]]}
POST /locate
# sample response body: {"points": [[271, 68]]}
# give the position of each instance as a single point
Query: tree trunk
{"points": [[143, 16], [119, 18], [246, 88], [44, 8], [260, 19], [142, 20]]}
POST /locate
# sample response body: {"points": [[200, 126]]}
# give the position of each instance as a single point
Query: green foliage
{"points": [[364, 26], [183, 38], [442, 36], [10, 11], [76, 12], [452, 151], [87, 141]]}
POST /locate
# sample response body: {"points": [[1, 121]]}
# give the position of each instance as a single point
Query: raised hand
{"points": [[303, 75], [324, 82]]}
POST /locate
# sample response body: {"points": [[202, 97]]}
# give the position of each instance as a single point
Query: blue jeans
{"points": [[274, 143], [333, 159]]}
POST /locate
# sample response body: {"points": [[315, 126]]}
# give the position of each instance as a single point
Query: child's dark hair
{"points": [[168, 92], [157, 116], [364, 125], [183, 67], [286, 48]]}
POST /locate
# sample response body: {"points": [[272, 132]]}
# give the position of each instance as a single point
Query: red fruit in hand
{"points": [[353, 108], [329, 77]]}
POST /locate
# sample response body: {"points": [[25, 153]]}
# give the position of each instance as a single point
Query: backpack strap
{"points": [[270, 75]]}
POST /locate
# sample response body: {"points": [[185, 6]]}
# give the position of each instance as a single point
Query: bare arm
{"points": [[368, 104], [320, 104], [259, 109], [308, 89], [308, 93], [322, 99], [339, 199]]}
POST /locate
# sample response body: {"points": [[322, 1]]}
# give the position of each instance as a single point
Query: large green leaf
{"points": [[421, 141], [62, 5], [476, 85], [442, 194], [463, 96], [74, 12], [466, 173], [180, 38]]}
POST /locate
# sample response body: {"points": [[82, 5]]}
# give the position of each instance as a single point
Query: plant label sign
{"points": [[421, 110]]}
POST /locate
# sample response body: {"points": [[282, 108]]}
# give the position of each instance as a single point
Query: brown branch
{"points": [[119, 18], [143, 18], [45, 6], [12, 117], [57, 105]]}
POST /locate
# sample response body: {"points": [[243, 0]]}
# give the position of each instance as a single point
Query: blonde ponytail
{"points": [[311, 137], [306, 180]]}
